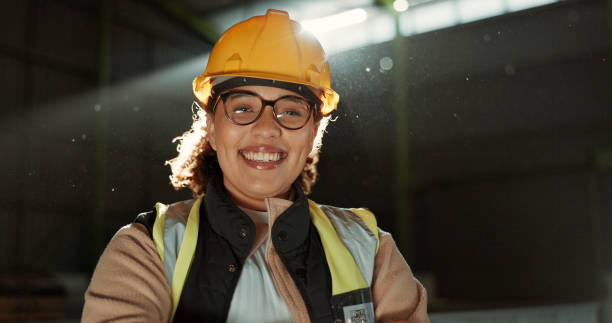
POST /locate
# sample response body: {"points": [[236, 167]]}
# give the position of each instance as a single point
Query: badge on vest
{"points": [[353, 307]]}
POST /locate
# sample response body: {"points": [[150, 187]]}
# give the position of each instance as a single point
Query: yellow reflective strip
{"points": [[370, 221], [344, 272], [158, 229], [185, 255]]}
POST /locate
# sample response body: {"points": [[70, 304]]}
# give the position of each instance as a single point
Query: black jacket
{"points": [[226, 236]]}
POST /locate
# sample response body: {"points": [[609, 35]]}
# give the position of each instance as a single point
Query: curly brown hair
{"points": [[197, 162]]}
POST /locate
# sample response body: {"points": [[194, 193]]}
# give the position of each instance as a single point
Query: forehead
{"points": [[267, 92]]}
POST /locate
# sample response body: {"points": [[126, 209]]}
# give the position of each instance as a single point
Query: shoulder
{"points": [[396, 293], [179, 210], [360, 212], [129, 279], [385, 236], [129, 246], [362, 216], [131, 236]]}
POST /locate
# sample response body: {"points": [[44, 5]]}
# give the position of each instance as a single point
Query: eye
{"points": [[291, 107], [242, 103], [291, 112], [242, 109]]}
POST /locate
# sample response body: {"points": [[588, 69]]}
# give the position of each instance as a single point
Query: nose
{"points": [[266, 125]]}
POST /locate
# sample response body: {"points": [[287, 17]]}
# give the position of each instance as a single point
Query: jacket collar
{"points": [[289, 230]]}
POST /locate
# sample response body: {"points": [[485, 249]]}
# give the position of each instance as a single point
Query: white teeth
{"points": [[261, 156]]}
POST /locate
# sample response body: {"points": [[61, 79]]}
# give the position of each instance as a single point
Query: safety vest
{"points": [[349, 238]]}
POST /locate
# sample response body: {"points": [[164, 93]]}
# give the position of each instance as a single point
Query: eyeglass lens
{"points": [[244, 108]]}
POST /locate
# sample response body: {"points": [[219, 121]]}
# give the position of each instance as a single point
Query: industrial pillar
{"points": [[99, 154], [402, 167]]}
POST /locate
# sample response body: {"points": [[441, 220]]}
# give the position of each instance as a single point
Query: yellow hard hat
{"points": [[270, 47]]}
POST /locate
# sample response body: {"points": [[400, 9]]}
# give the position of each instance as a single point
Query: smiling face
{"points": [[261, 159]]}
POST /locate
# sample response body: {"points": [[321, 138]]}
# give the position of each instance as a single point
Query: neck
{"points": [[251, 204], [255, 203]]}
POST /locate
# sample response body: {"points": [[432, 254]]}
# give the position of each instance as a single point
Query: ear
{"points": [[210, 131]]}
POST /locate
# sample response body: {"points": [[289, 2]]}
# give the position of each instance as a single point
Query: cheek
{"points": [[307, 141], [228, 139], [214, 130], [222, 133], [230, 136], [212, 139]]}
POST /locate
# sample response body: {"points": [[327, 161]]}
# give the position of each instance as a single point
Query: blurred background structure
{"points": [[478, 131]]}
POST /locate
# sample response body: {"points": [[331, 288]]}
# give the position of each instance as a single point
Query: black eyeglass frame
{"points": [[312, 107]]}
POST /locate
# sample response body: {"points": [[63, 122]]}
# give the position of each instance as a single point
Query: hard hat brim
{"points": [[204, 89]]}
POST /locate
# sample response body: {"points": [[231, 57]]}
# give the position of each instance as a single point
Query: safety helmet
{"points": [[271, 47]]}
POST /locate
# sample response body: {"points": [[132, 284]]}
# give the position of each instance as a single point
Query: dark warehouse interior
{"points": [[485, 149]]}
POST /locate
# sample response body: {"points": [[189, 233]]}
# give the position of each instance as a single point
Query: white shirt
{"points": [[255, 297]]}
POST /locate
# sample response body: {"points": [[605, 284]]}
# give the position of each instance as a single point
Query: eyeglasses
{"points": [[245, 107]]}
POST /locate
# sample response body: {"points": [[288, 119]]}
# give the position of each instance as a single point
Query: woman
{"points": [[250, 246]]}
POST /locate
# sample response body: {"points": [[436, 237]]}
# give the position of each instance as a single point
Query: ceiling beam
{"points": [[187, 18]]}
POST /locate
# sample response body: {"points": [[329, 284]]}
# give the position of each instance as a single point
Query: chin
{"points": [[265, 186], [265, 190]]}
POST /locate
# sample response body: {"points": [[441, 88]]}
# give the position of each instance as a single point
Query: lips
{"points": [[263, 157]]}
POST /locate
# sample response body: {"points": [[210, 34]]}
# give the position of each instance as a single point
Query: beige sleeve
{"points": [[397, 295], [129, 282]]}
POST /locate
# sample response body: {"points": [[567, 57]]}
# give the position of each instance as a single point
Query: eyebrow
{"points": [[287, 95]]}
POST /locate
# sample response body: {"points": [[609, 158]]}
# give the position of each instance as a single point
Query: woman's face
{"points": [[261, 159]]}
